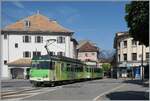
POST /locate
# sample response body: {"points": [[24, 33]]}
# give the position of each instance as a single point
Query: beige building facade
{"points": [[129, 54]]}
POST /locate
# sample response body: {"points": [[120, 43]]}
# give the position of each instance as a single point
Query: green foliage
{"points": [[106, 67], [138, 20]]}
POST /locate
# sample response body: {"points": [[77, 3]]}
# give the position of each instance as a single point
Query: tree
{"points": [[138, 20], [106, 67]]}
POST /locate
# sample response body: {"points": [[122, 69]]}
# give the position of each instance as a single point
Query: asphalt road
{"points": [[103, 89]]}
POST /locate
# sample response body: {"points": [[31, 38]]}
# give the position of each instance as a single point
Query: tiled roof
{"points": [[38, 22], [82, 42], [20, 62], [88, 47]]}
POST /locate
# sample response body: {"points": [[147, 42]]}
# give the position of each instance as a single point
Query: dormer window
{"points": [[27, 23]]}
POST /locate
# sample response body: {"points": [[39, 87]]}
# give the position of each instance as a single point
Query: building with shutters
{"points": [[27, 37], [129, 54], [88, 52]]}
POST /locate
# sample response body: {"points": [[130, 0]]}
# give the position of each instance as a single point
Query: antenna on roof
{"points": [[38, 12]]}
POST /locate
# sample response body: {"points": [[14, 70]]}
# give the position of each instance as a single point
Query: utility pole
{"points": [[142, 64]]}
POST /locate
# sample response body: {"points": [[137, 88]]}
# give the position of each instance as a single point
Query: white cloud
{"points": [[18, 4]]}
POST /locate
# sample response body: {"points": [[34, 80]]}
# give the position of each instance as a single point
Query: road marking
{"points": [[17, 92], [42, 92], [14, 96], [96, 98], [25, 92]]}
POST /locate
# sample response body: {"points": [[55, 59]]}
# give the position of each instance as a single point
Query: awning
{"points": [[23, 62]]}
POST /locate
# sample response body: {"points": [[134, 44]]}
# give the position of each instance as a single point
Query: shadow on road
{"points": [[127, 95], [138, 82]]}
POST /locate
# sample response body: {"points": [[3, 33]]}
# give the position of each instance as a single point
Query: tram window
{"points": [[62, 66], [81, 68], [71, 69], [87, 69], [34, 64], [44, 65], [90, 69], [53, 65], [94, 70], [68, 67]]}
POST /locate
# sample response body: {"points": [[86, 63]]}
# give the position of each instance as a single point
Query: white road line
{"points": [[96, 98], [29, 93], [42, 92], [10, 96], [16, 92]]}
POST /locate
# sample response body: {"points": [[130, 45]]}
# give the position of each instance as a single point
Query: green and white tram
{"points": [[47, 69]]}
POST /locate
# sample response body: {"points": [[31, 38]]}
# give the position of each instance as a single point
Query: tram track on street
{"points": [[7, 94], [20, 94]]}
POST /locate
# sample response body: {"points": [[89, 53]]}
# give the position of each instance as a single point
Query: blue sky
{"points": [[96, 21]]}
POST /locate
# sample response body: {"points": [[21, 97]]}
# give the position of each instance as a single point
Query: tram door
{"points": [[58, 71]]}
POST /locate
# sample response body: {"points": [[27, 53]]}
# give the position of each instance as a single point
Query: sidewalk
{"points": [[132, 90]]}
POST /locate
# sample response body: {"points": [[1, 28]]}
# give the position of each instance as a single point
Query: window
{"points": [[68, 67], [16, 45], [118, 57], [26, 54], [5, 61], [119, 45], [27, 23], [5, 36], [147, 56], [60, 39], [86, 54], [134, 56], [42, 64], [134, 43], [36, 53], [62, 67], [93, 53], [61, 53], [52, 53], [38, 39], [125, 57], [26, 39], [125, 44]]}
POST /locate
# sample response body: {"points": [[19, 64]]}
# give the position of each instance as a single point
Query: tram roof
{"points": [[57, 58]]}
